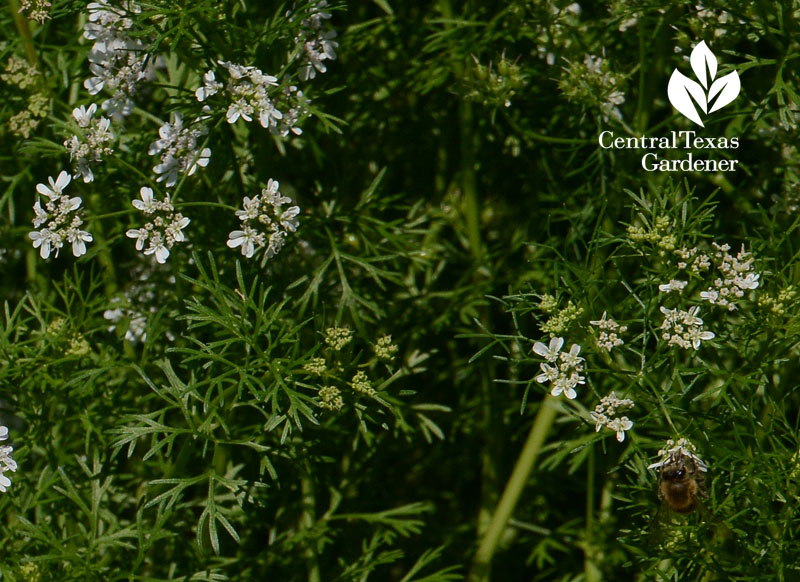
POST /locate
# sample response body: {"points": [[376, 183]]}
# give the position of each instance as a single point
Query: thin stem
{"points": [[24, 32], [541, 426], [307, 522], [591, 571]]}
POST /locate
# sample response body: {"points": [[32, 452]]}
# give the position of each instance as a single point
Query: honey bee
{"points": [[681, 483]]}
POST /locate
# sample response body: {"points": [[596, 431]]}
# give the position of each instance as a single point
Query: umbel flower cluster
{"points": [[315, 40], [684, 328], [737, 277], [164, 229], [59, 220], [563, 369], [117, 60], [674, 453], [606, 413], [92, 145], [265, 222], [609, 332], [179, 150], [6, 462], [248, 92]]}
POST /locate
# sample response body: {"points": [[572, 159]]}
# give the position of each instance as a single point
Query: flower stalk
{"points": [[479, 571]]}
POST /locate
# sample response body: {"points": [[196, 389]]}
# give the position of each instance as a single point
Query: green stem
{"points": [[307, 522], [591, 571], [24, 32], [469, 182], [104, 254], [541, 426]]}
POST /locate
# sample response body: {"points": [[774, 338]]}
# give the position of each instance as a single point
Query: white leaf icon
{"points": [[703, 58], [679, 90], [728, 88]]}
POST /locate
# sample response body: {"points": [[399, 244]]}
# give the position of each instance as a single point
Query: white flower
{"points": [[41, 240], [244, 238], [7, 463], [565, 375], [55, 189], [560, 386], [140, 234], [571, 359], [164, 229], [620, 425], [84, 116], [265, 222], [78, 238], [209, 88], [750, 281], [61, 220], [239, 109], [180, 150], [147, 204], [605, 414], [549, 353], [684, 328], [41, 216], [673, 285]]}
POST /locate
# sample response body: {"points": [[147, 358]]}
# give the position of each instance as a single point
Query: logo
{"points": [[709, 94]]}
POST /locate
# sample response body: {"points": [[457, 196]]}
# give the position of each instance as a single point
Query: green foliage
{"points": [[348, 399]]}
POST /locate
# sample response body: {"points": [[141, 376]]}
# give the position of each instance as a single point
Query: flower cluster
{"points": [[146, 292], [92, 145], [562, 369], [20, 73], [673, 453], [737, 277], [117, 60], [657, 234], [330, 398], [605, 414], [248, 90], [315, 41], [38, 10], [385, 349], [777, 305], [699, 261], [557, 31], [164, 229], [593, 84], [317, 366], [560, 321], [361, 383], [265, 222], [684, 328], [338, 337], [673, 285], [57, 216], [179, 149], [608, 338], [6, 462]]}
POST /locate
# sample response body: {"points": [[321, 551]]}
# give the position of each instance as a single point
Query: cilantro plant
{"points": [[343, 291]]}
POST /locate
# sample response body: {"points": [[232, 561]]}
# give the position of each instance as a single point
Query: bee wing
{"points": [[660, 525], [722, 536]]}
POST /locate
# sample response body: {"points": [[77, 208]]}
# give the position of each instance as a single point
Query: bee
{"points": [[681, 483]]}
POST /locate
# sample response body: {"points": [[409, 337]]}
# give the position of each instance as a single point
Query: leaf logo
{"points": [[683, 93]]}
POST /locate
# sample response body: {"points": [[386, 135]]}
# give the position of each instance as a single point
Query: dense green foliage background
{"points": [[448, 178]]}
